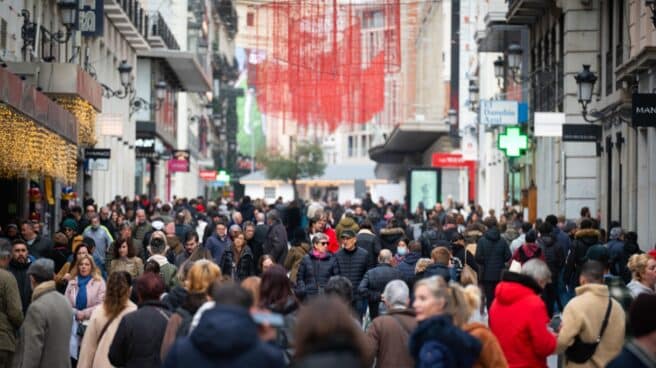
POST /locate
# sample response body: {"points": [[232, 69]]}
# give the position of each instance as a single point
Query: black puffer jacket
{"points": [[583, 240], [353, 264], [374, 282], [492, 253], [407, 268], [438, 270], [313, 274], [241, 270], [368, 241], [553, 255], [429, 240]]}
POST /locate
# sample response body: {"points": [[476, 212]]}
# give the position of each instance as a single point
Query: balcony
{"points": [[159, 34], [526, 11], [131, 21]]}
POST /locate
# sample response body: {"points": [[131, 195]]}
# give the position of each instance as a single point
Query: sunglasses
{"points": [[323, 243]]}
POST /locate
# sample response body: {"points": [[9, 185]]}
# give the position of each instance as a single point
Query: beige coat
{"points": [[583, 316], [93, 353]]}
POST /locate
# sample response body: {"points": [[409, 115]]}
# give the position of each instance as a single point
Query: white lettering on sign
{"points": [[646, 110], [87, 20]]}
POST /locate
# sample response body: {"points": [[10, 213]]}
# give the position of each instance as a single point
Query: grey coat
{"points": [[44, 337]]}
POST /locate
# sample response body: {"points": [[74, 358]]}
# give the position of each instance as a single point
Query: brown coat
{"points": [[491, 352], [388, 339], [293, 259]]}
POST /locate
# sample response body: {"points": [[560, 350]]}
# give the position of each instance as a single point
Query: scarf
{"points": [[81, 298], [318, 254]]}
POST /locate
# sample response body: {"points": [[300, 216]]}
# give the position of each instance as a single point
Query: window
{"points": [[269, 192], [250, 19], [3, 34], [351, 146]]}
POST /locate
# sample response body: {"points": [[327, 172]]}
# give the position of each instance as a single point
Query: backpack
{"points": [[187, 317]]}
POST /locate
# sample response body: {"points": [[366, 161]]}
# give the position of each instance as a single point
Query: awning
{"points": [[408, 139], [644, 60], [188, 71]]}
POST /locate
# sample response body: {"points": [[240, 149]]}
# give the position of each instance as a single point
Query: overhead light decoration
{"points": [[29, 149], [85, 115]]}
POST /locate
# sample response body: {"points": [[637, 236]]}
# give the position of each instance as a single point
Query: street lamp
{"points": [[499, 66], [125, 76], [68, 10], [139, 103], [514, 58], [160, 90], [585, 80], [452, 117], [473, 95]]}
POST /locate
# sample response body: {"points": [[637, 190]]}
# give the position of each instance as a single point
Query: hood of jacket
{"points": [[391, 231], [492, 234], [530, 249], [588, 236], [347, 222], [225, 331], [441, 329], [514, 287]]}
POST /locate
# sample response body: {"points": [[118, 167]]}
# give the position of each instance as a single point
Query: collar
{"points": [[597, 289], [524, 280], [43, 288], [160, 259]]}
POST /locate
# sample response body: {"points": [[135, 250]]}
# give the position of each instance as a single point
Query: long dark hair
{"points": [[276, 288]]}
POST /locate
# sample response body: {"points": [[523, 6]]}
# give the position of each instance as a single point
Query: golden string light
{"points": [[85, 114], [28, 149]]}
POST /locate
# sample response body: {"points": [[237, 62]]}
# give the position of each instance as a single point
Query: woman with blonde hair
{"points": [[437, 340], [199, 279], [85, 292], [105, 320], [491, 352], [643, 272]]}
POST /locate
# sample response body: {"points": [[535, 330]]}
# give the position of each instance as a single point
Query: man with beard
{"points": [[20, 262]]}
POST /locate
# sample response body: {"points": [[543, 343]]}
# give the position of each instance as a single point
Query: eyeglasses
{"points": [[323, 243]]}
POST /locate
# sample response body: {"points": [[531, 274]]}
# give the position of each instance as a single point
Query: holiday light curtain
{"points": [[323, 62]]}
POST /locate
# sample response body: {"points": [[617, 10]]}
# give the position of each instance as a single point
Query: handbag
{"points": [[580, 351], [468, 276]]}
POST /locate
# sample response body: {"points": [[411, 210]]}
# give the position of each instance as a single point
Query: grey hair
{"points": [[5, 248], [319, 237], [536, 269], [385, 256], [396, 294]]}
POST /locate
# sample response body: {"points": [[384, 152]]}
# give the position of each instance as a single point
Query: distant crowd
{"points": [[223, 283]]}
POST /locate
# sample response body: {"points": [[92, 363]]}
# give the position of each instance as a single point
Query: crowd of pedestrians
{"points": [[200, 283]]}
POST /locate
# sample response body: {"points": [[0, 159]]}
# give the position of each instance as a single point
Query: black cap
{"points": [[347, 234]]}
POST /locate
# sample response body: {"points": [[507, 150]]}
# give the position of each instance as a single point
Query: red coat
{"points": [[333, 244], [518, 318]]}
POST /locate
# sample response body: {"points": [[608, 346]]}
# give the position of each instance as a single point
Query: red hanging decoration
{"points": [[323, 63]]}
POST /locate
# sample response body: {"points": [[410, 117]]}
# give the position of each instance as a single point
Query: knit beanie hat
{"points": [[643, 318], [70, 223]]}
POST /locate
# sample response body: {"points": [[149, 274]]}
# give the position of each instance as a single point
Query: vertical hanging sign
{"points": [[90, 18]]}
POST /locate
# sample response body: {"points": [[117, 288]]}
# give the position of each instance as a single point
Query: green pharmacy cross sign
{"points": [[512, 142]]}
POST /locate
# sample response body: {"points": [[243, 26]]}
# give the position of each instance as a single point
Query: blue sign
{"points": [[503, 112], [90, 20]]}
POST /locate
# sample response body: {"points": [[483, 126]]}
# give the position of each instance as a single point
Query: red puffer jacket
{"points": [[518, 318]]}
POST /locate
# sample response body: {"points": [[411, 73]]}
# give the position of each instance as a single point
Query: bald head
{"points": [[385, 256]]}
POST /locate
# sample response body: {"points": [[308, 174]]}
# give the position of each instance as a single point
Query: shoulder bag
{"points": [[580, 351]]}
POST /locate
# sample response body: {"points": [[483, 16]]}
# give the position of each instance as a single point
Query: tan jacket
{"points": [[94, 354], [134, 266], [583, 317]]}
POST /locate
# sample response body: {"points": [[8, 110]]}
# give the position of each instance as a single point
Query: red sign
{"points": [[178, 166], [455, 161], [207, 175]]}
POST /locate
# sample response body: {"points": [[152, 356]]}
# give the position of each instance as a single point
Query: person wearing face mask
{"points": [[401, 251], [101, 237]]}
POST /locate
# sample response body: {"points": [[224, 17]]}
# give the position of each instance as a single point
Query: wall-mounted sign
{"points": [[207, 175], [90, 18], [503, 112], [145, 148], [549, 124], [97, 153], [179, 161], [644, 109], [513, 142], [581, 133]]}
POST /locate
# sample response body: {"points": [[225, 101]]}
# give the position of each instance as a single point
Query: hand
{"points": [[67, 277], [79, 315]]}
